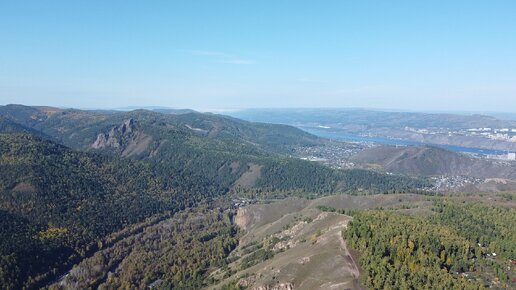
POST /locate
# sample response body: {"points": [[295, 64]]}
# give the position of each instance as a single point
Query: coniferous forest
{"points": [[456, 246], [257, 145], [140, 199]]}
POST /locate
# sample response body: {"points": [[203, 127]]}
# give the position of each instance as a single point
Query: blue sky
{"points": [[413, 55]]}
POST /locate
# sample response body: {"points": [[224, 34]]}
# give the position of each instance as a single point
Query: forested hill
{"points": [[8, 126], [79, 129], [202, 152], [57, 204], [428, 161]]}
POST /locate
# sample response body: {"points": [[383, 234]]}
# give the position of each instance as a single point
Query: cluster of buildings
{"points": [[511, 156], [334, 154], [445, 182], [504, 134]]}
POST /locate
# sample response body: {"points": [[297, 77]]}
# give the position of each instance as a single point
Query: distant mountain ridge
{"points": [[372, 118], [203, 152], [433, 161], [9, 126], [81, 127]]}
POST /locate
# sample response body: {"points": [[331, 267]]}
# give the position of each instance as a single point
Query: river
{"points": [[345, 136]]}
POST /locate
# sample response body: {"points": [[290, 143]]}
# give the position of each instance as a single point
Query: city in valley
{"points": [[258, 145]]}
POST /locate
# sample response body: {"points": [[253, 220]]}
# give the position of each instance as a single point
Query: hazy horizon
{"points": [[507, 115], [402, 55]]}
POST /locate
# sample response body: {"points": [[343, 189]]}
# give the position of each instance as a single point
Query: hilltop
{"points": [[74, 182], [433, 161]]}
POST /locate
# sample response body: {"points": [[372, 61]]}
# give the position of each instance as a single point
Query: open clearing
{"points": [[309, 250]]}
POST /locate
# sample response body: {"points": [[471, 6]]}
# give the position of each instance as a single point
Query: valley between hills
{"points": [[177, 199]]}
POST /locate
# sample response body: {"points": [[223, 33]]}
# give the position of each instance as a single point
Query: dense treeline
{"points": [[492, 227], [448, 250], [205, 152], [213, 160], [59, 205], [8, 126], [175, 253], [70, 200], [56, 203], [404, 252], [220, 170]]}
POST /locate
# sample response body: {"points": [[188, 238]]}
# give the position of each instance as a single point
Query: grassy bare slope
{"points": [[309, 252]]}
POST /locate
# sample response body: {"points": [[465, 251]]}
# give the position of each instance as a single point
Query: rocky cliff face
{"points": [[125, 137], [241, 218], [114, 137]]}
